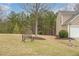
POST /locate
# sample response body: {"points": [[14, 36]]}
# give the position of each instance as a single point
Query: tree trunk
{"points": [[36, 27]]}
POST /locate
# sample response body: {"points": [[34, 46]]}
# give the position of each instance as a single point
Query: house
{"points": [[69, 21]]}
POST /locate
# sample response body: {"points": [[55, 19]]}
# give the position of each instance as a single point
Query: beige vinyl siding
{"points": [[59, 26]]}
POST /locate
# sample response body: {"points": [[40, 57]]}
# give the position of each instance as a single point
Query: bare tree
{"points": [[76, 7], [36, 9], [3, 12]]}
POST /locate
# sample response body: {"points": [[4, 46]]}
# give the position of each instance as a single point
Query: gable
{"points": [[65, 16], [72, 20], [75, 20]]}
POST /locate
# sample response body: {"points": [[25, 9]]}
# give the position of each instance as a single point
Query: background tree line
{"points": [[39, 20], [20, 22]]}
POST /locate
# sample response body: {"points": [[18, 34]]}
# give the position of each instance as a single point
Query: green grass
{"points": [[12, 45]]}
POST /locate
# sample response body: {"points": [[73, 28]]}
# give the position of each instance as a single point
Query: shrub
{"points": [[63, 34]]}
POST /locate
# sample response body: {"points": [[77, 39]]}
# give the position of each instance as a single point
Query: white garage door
{"points": [[74, 31]]}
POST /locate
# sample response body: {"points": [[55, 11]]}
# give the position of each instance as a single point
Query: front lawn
{"points": [[11, 44]]}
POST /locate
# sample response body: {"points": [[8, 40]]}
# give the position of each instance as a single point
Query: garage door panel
{"points": [[74, 31]]}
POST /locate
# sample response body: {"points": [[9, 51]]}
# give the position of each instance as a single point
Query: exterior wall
{"points": [[66, 16], [59, 26], [64, 27]]}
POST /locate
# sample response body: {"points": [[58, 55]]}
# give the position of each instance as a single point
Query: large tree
{"points": [[36, 9]]}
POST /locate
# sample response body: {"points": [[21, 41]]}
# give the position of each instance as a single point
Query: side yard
{"points": [[11, 44]]}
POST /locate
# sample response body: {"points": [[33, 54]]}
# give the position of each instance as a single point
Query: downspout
{"points": [[68, 30], [70, 40]]}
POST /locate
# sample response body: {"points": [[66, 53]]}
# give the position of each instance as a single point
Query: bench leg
{"points": [[23, 38], [32, 39]]}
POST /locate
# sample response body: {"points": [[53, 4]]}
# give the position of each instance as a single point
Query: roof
{"points": [[75, 13], [68, 12]]}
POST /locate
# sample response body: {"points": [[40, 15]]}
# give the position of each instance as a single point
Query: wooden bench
{"points": [[27, 36], [32, 37]]}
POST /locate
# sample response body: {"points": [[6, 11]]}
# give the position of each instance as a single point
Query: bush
{"points": [[63, 34]]}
